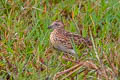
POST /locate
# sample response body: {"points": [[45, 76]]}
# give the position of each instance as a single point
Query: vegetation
{"points": [[25, 52]]}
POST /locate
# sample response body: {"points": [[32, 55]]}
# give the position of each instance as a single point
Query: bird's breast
{"points": [[53, 38]]}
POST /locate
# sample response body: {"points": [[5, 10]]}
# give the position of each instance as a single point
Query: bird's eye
{"points": [[57, 24]]}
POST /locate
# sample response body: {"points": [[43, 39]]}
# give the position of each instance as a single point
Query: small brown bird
{"points": [[63, 40]]}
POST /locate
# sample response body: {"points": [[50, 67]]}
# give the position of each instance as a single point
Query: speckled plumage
{"points": [[62, 40]]}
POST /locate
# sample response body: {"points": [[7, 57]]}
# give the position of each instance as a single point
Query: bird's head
{"points": [[56, 24]]}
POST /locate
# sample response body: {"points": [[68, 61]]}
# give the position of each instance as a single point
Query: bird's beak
{"points": [[49, 27]]}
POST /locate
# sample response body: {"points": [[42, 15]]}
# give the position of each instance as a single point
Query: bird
{"points": [[63, 40]]}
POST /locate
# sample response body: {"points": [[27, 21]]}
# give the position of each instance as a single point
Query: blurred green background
{"points": [[24, 37]]}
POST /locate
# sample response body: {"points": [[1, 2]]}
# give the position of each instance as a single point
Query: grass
{"points": [[24, 38]]}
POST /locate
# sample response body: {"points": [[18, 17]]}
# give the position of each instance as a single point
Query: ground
{"points": [[25, 51]]}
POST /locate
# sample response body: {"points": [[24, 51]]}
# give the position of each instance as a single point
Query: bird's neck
{"points": [[59, 30]]}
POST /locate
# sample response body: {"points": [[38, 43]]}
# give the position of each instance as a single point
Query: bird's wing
{"points": [[78, 40], [65, 41], [66, 38]]}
